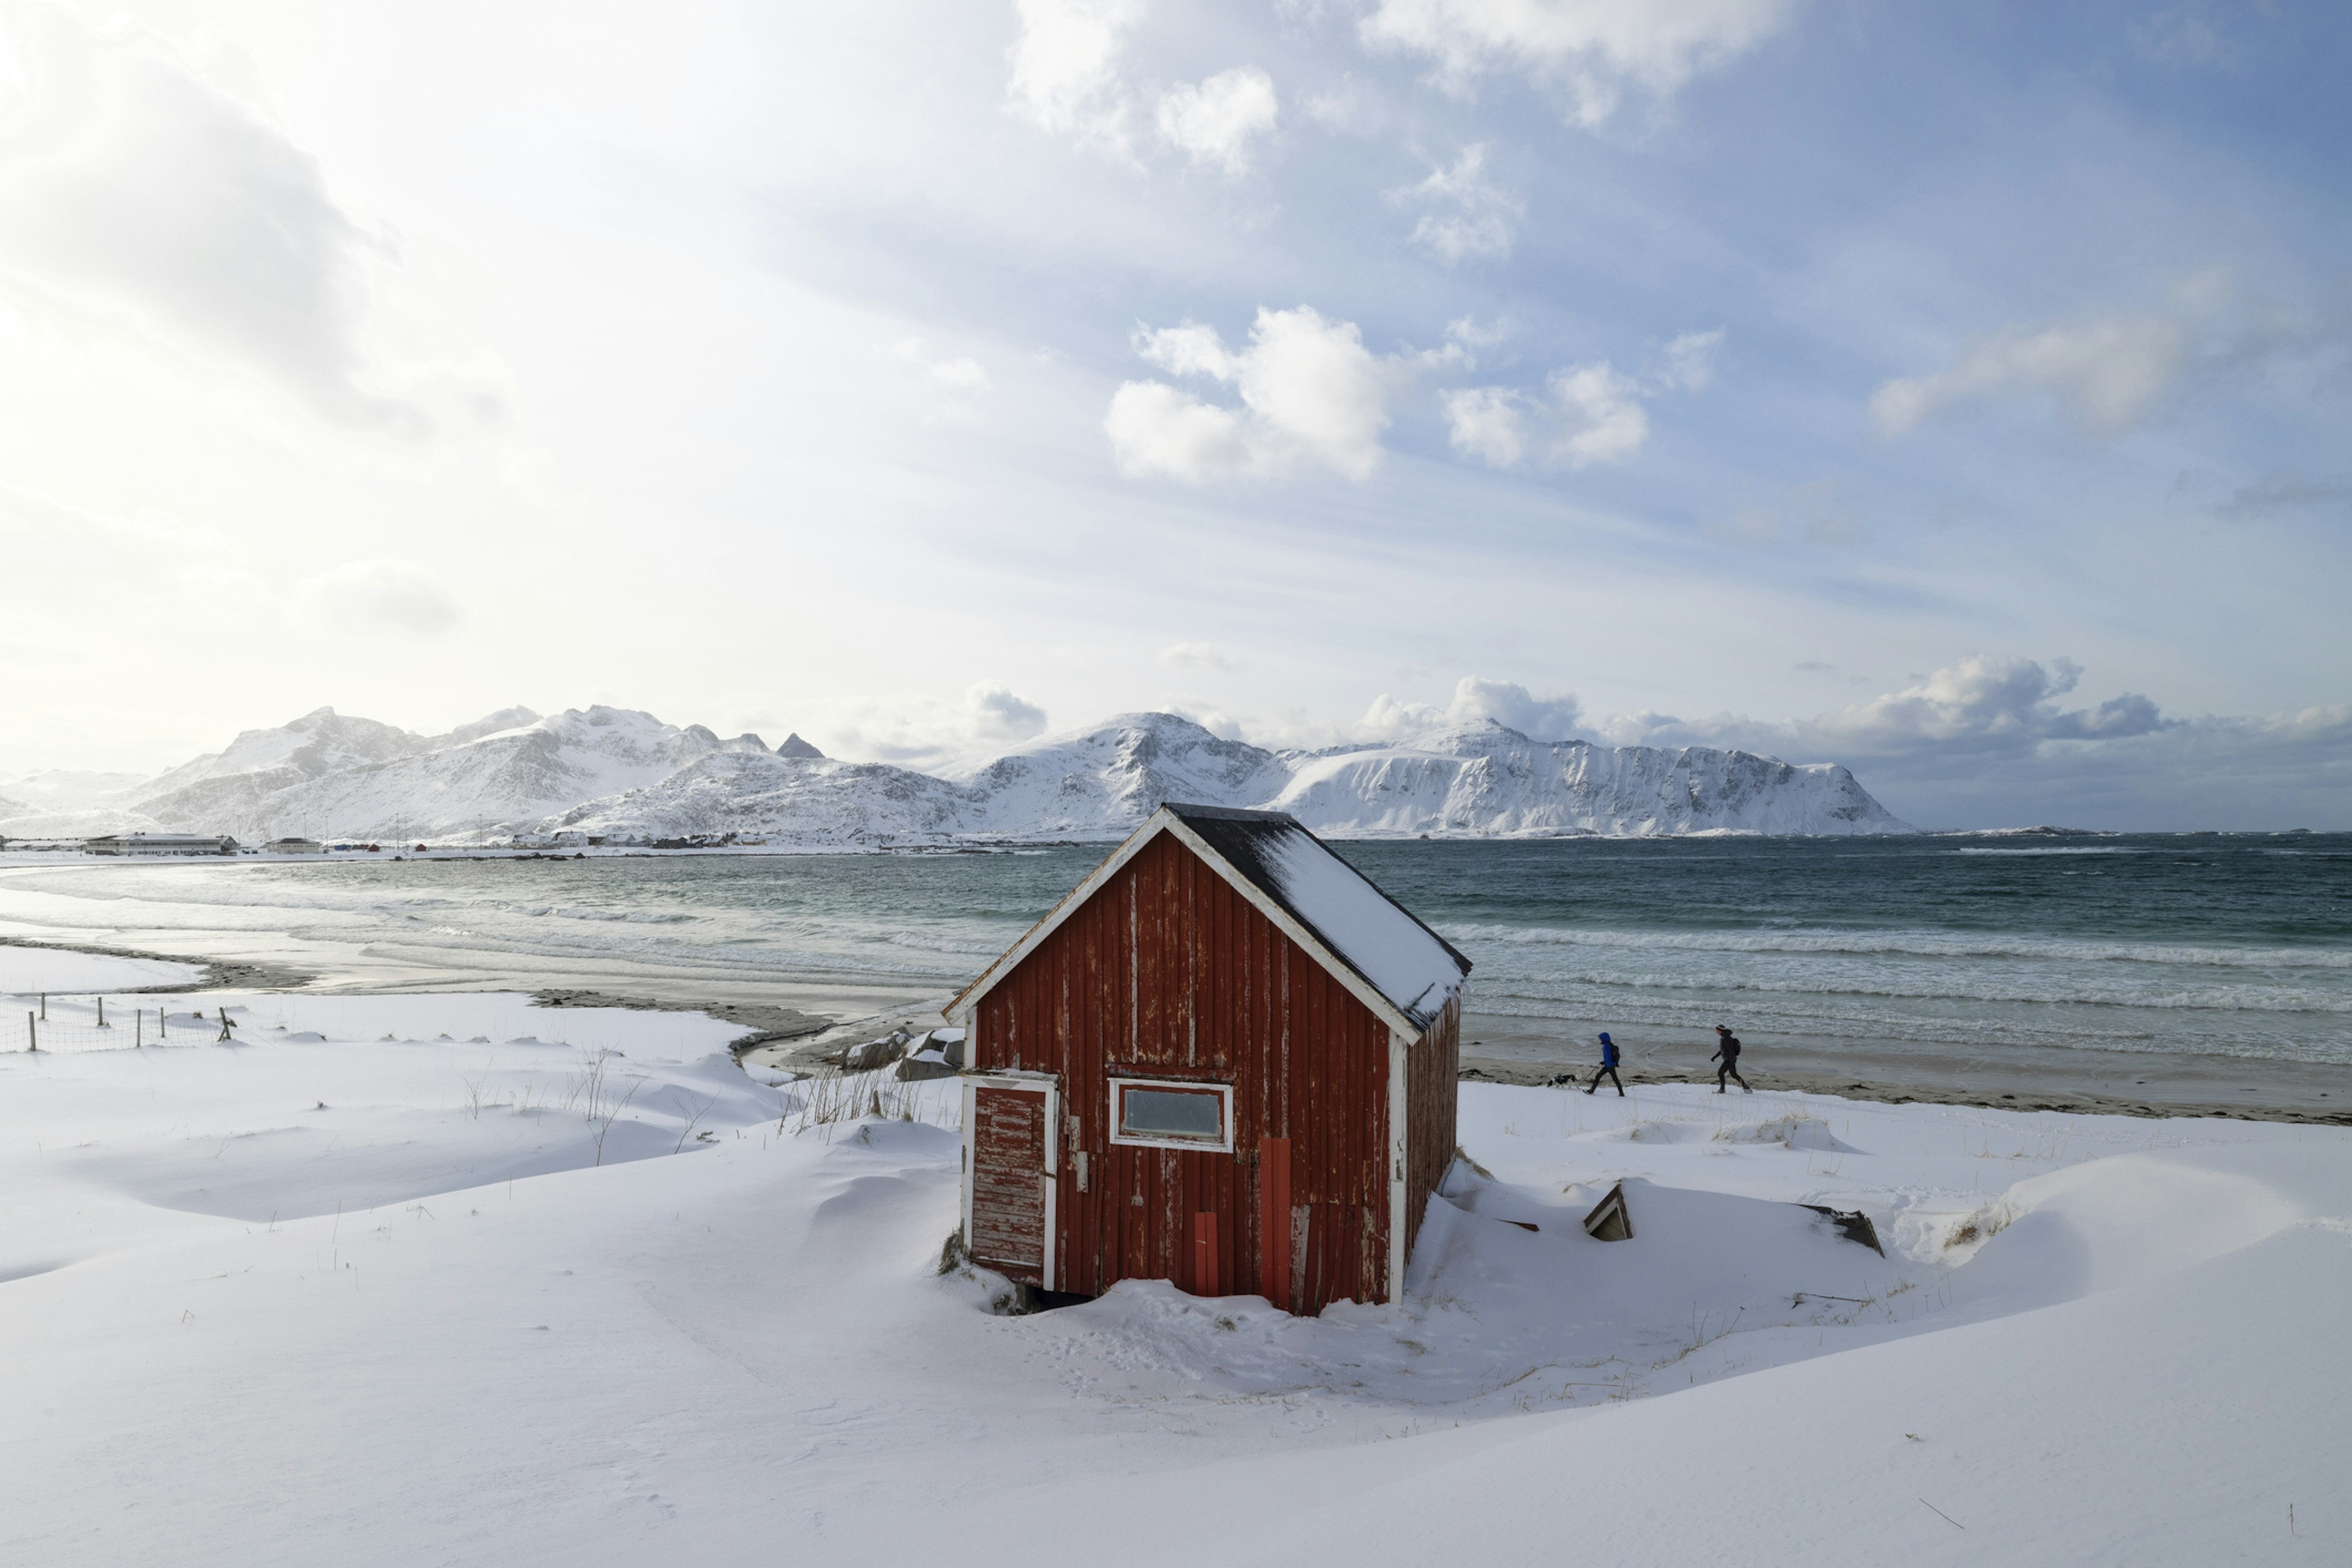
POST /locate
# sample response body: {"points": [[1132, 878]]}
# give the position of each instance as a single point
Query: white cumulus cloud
{"points": [[1475, 700], [1587, 413], [1588, 51], [378, 596], [1217, 122], [1311, 394], [1992, 741], [1981, 706], [1065, 76], [1463, 216]]}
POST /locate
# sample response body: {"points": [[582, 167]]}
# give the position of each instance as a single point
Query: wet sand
{"points": [[1536, 1050]]}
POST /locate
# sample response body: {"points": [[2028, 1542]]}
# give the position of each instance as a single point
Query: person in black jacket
{"points": [[1608, 1067], [1726, 1050]]}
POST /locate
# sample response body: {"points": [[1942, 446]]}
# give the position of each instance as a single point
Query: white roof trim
{"points": [[968, 1000], [1166, 821]]}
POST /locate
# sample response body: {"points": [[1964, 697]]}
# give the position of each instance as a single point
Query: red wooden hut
{"points": [[1226, 1058]]}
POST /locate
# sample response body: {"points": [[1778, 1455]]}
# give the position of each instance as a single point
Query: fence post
{"points": [[101, 1011], [138, 1027], [32, 1036]]}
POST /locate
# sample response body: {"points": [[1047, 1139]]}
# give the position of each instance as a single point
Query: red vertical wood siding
{"points": [[1167, 971], [1432, 1093]]}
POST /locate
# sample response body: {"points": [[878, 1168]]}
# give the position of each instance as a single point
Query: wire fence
{"points": [[62, 1024]]}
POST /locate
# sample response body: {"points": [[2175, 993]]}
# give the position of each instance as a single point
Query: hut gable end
{"points": [[1235, 1097]]}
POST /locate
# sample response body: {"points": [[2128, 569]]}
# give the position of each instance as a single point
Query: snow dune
{"points": [[326, 1296]]}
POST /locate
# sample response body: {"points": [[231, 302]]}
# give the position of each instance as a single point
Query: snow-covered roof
{"points": [[1396, 965], [1415, 968]]}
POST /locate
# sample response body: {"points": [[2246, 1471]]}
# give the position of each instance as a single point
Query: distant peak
{"points": [[795, 746], [505, 718]]}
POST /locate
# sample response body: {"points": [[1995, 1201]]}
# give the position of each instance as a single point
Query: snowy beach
{"points": [[394, 1278], [2178, 973]]}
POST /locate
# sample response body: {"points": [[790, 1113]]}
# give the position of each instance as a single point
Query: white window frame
{"points": [[1225, 1146]]}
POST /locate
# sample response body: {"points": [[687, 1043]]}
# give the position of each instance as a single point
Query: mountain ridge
{"points": [[623, 775]]}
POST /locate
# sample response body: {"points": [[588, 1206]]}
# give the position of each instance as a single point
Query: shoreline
{"points": [[794, 1020], [220, 973], [1520, 1050]]}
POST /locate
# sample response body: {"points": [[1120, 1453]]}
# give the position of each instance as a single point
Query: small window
{"points": [[1165, 1115]]}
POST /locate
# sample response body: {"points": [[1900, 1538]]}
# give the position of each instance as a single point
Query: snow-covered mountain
{"points": [[1487, 780], [622, 775]]}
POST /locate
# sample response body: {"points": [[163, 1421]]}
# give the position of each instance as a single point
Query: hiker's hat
{"points": [[1722, 1029]]}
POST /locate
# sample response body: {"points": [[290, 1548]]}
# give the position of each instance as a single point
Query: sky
{"points": [[1962, 393]]}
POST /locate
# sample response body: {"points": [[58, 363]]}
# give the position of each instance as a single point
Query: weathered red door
{"points": [[1009, 1144]]}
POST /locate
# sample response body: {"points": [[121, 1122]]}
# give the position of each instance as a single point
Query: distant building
{"points": [[295, 847], [162, 844]]}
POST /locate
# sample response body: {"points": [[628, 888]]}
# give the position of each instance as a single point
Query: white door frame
{"points": [[1050, 1087]]}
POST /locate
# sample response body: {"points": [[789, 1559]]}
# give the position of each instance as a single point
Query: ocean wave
{"points": [[1909, 943], [1989, 988], [2060, 849]]}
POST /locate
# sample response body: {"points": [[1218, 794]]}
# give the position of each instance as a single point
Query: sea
{"points": [[2184, 946]]}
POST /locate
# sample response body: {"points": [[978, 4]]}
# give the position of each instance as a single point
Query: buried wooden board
{"points": [[1609, 1219], [1851, 1224]]}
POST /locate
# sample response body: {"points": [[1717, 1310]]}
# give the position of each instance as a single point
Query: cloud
{"points": [[1689, 362], [1465, 331], [997, 715], [2184, 36], [1200, 656], [377, 595], [1065, 68], [952, 374], [1981, 708], [1588, 51], [2112, 371], [1475, 700], [1216, 122], [922, 731], [131, 188], [1990, 742], [1311, 395], [1588, 413], [1477, 219], [1815, 513], [2284, 492], [2108, 371]]}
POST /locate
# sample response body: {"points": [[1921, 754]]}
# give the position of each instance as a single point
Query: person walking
{"points": [[1726, 1050], [1608, 1066]]}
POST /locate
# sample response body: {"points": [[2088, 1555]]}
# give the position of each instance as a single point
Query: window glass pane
{"points": [[1171, 1113]]}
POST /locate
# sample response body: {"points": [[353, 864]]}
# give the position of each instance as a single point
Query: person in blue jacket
{"points": [[1608, 1066]]}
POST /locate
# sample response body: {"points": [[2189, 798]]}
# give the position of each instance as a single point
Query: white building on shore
{"points": [[162, 844]]}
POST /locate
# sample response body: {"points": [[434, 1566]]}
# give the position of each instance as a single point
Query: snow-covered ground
{"points": [[516, 1285], [26, 971]]}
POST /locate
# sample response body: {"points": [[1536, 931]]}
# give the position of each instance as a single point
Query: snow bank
{"points": [[310, 1300]]}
